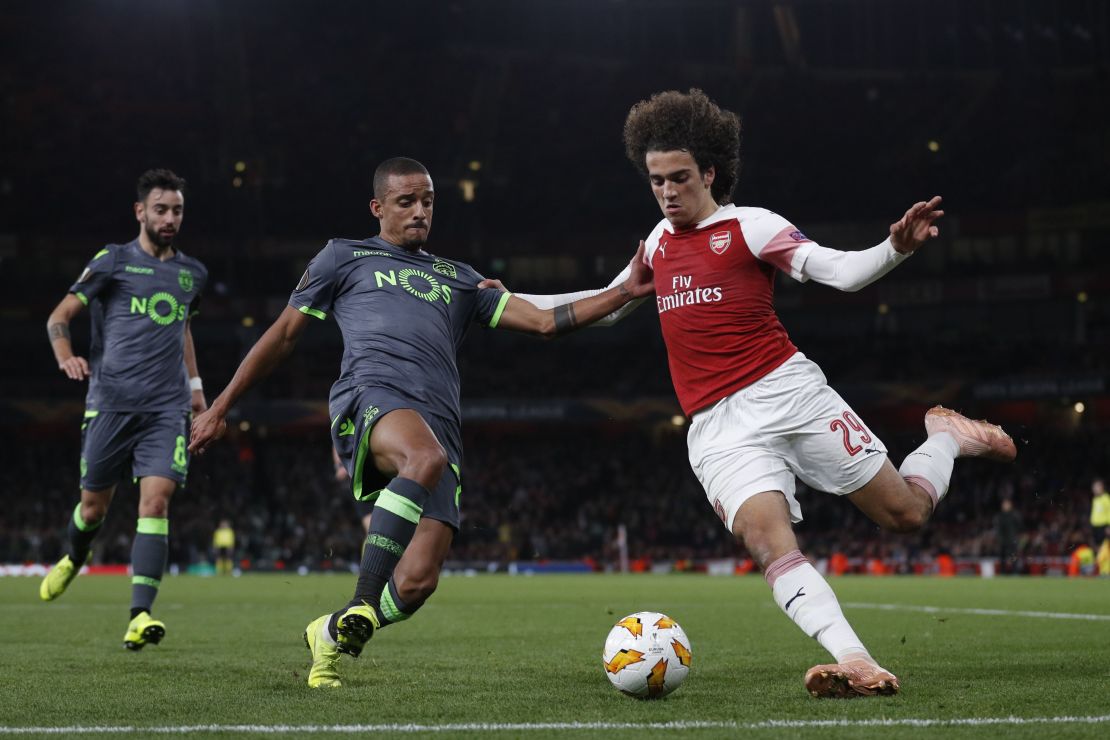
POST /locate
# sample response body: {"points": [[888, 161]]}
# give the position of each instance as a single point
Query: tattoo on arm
{"points": [[565, 320], [624, 292], [58, 330]]}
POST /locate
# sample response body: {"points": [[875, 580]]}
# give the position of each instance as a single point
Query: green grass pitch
{"points": [[516, 652]]}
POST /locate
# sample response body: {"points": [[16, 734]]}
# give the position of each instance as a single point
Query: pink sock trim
{"points": [[925, 484], [784, 565]]}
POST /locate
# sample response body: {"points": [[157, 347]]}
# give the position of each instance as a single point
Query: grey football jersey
{"points": [[403, 316], [139, 305]]}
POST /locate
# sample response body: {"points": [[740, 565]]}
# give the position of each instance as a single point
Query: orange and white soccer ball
{"points": [[647, 655]]}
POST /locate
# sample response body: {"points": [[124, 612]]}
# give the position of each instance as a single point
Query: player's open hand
{"points": [[642, 280], [75, 368], [207, 428], [908, 233], [493, 283]]}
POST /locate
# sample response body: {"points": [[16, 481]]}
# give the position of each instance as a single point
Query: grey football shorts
{"points": [[151, 442], [354, 409]]}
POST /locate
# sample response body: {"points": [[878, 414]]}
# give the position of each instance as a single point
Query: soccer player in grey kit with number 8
{"points": [[143, 387]]}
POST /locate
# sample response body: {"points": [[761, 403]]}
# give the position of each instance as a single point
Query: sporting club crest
{"points": [[444, 268], [185, 280], [720, 241]]}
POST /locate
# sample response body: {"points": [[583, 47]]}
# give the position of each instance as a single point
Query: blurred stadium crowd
{"points": [[1000, 108], [560, 493]]}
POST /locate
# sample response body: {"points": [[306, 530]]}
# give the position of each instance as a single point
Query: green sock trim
{"points": [[399, 505], [144, 581], [390, 610], [152, 525], [80, 523], [391, 545]]}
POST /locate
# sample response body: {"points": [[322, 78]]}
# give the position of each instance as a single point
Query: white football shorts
{"points": [[788, 423]]}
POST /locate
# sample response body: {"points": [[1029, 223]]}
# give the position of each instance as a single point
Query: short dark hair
{"points": [[395, 166], [673, 121], [160, 178]]}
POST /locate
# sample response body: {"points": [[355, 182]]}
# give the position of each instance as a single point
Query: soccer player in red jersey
{"points": [[762, 414]]}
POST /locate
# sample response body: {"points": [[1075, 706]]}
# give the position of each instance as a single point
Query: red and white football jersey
{"points": [[714, 287]]}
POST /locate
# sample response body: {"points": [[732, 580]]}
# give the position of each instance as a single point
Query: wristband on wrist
{"points": [[195, 384]]}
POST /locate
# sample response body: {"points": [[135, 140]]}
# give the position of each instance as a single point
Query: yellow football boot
{"points": [[325, 656], [143, 630], [58, 579], [354, 629]]}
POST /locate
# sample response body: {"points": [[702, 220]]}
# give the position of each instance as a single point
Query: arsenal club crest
{"points": [[719, 242]]}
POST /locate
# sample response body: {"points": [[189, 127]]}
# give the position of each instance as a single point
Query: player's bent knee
{"points": [[425, 465], [93, 513], [907, 519], [760, 543], [158, 508]]}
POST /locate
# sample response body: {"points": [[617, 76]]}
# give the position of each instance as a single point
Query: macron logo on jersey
{"points": [[684, 294]]}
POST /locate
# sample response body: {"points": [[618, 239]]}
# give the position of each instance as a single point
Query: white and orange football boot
{"points": [[851, 678], [975, 438]]}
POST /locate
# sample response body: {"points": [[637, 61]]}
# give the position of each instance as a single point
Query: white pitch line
{"points": [[771, 724], [981, 612]]}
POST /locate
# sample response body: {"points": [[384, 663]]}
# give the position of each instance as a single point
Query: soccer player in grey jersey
{"points": [[143, 385], [395, 409]]}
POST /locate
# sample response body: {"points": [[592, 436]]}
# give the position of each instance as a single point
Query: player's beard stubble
{"points": [[414, 239], [163, 240]]}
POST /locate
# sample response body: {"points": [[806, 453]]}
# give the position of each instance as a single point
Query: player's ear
{"points": [[139, 208], [709, 175], [376, 208]]}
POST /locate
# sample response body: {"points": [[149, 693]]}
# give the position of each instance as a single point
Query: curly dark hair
{"points": [[160, 178], [672, 120]]}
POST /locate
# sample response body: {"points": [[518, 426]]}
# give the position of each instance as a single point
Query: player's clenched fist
{"points": [[75, 368], [207, 428]]}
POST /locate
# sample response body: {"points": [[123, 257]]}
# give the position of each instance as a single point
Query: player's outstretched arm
{"points": [[521, 315], [57, 328], [266, 354], [558, 299], [850, 271]]}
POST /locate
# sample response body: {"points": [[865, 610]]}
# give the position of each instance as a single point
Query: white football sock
{"points": [[930, 465], [806, 597]]}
